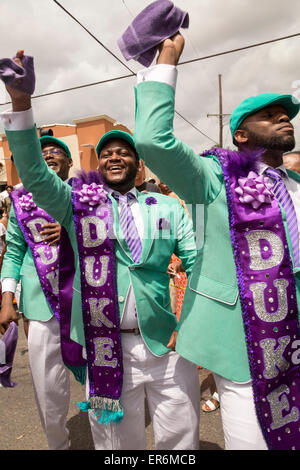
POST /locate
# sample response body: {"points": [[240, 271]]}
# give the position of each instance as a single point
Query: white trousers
{"points": [[171, 386], [51, 381], [240, 425]]}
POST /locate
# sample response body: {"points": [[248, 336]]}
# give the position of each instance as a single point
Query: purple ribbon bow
{"points": [[254, 190]]}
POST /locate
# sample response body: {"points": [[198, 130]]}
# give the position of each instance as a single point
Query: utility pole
{"points": [[220, 114]]}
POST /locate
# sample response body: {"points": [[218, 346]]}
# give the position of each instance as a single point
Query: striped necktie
{"points": [[283, 197], [128, 225]]}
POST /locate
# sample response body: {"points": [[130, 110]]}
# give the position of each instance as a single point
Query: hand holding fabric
{"points": [[7, 313], [19, 78]]}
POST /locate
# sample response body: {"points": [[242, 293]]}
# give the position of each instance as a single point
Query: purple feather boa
{"points": [[239, 163]]}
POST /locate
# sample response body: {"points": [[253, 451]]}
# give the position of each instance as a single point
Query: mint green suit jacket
{"points": [[211, 331], [18, 263], [149, 278]]}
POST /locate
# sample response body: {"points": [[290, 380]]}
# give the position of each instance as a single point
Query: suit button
{"points": [[121, 298]]}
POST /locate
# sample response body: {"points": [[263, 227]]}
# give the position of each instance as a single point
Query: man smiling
{"points": [[122, 242]]}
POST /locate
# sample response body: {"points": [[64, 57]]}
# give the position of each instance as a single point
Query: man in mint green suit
{"points": [[49, 374], [211, 331], [147, 323]]}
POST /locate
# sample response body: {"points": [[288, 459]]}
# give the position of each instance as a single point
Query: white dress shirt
{"points": [[292, 186]]}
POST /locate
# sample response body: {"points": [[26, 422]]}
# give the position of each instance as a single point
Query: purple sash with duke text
{"points": [[55, 268], [268, 300], [93, 220]]}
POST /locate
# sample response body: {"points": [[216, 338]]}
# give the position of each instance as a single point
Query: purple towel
{"points": [[157, 22], [10, 339], [10, 72]]}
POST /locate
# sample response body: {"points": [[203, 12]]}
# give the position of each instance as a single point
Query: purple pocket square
{"points": [[10, 339], [10, 72], [157, 22]]}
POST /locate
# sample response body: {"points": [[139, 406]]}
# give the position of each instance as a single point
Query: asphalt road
{"points": [[20, 424]]}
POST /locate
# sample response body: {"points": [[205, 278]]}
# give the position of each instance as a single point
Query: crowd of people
{"points": [[116, 290]]}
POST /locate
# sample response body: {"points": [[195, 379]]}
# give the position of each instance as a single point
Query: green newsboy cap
{"points": [[255, 103], [115, 134], [50, 140]]}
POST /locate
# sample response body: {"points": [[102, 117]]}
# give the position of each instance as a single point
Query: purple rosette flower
{"points": [[26, 202], [92, 194], [255, 190], [150, 201], [163, 224]]}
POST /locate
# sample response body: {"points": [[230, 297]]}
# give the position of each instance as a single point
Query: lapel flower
{"points": [[92, 194], [150, 201], [26, 202], [254, 190], [163, 223]]}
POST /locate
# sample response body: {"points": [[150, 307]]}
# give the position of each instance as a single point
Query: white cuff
{"points": [[9, 284], [17, 121], [164, 73]]}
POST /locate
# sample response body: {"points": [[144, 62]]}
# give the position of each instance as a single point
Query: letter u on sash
{"points": [[91, 268]]}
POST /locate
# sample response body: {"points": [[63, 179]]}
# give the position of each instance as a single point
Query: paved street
{"points": [[20, 425]]}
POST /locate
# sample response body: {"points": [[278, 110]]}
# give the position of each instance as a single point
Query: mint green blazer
{"points": [[211, 331], [149, 278], [18, 263]]}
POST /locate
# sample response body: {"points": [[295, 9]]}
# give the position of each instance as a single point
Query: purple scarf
{"points": [[93, 226], [268, 298], [55, 268]]}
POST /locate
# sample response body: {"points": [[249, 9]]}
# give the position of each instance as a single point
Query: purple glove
{"points": [[10, 72]]}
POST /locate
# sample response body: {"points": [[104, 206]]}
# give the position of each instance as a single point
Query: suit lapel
{"points": [[149, 215]]}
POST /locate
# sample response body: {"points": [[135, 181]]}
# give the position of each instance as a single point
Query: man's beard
{"points": [[282, 143]]}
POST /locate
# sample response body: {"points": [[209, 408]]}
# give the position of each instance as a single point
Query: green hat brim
{"points": [[256, 103], [115, 134], [49, 139]]}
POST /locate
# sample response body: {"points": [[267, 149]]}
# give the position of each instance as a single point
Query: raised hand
{"points": [[20, 95], [7, 313], [170, 50]]}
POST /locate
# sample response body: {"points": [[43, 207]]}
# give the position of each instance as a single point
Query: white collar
{"points": [[132, 190], [262, 166]]}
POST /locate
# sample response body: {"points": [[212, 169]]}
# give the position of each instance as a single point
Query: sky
{"points": [[66, 56]]}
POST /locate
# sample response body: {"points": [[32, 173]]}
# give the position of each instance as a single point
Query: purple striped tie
{"points": [[128, 225], [283, 197]]}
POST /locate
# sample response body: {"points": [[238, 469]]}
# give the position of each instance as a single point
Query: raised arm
{"points": [[48, 190], [193, 178]]}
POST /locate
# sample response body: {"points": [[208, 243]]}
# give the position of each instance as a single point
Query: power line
{"points": [[94, 37], [238, 49], [119, 60], [75, 88], [132, 73], [191, 124]]}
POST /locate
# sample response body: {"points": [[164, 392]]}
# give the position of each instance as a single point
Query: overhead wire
{"points": [[132, 73]]}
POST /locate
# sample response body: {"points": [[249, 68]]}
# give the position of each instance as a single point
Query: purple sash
{"points": [[93, 224], [55, 268], [268, 301]]}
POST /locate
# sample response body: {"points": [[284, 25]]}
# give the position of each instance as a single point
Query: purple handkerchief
{"points": [[157, 22], [10, 339], [10, 72]]}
